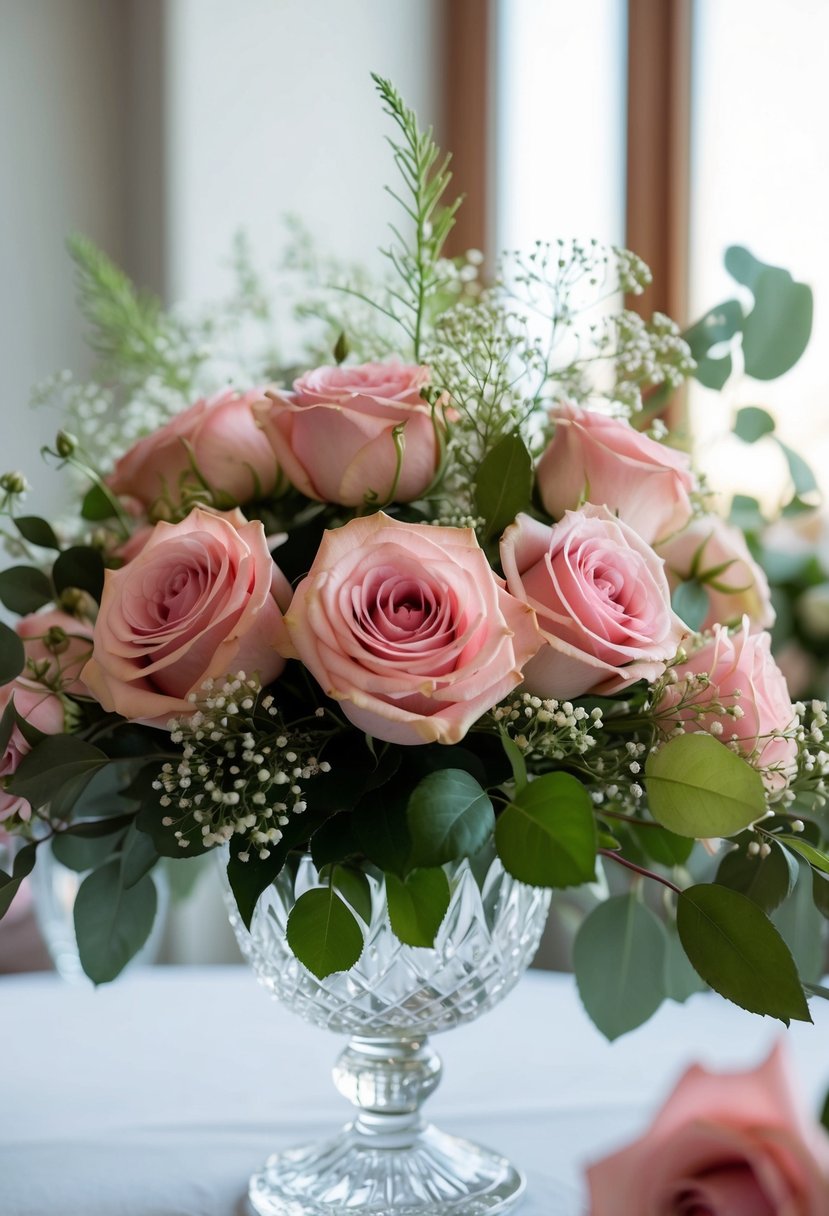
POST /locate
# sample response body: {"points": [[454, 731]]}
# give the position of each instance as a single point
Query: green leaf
{"points": [[80, 567], [417, 905], [736, 949], [714, 373], [24, 862], [547, 836], [24, 589], [803, 478], [698, 787], [715, 329], [503, 484], [820, 893], [37, 531], [323, 933], [777, 330], [752, 423], [334, 840], [97, 505], [824, 1113], [355, 888], [382, 829], [662, 846], [815, 857], [450, 817], [57, 763], [138, 857], [803, 929], [111, 922], [765, 880], [690, 602], [681, 980], [619, 961], [516, 759], [12, 654], [745, 514], [81, 853]]}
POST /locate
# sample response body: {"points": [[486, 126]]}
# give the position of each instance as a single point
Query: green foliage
{"points": [[450, 817], [334, 840], [662, 846], [12, 654], [24, 589], [777, 330], [697, 787], [97, 505], [24, 861], [503, 485], [690, 602], [353, 886], [717, 328], [547, 835], [766, 880], [752, 423], [417, 905], [619, 957], [37, 531], [112, 921], [382, 828], [681, 980], [323, 933], [80, 567], [60, 766], [736, 949], [803, 929]]}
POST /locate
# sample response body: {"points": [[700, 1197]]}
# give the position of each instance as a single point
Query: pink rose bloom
{"points": [[63, 667], [201, 600], [355, 434], [42, 710], [736, 1144], [716, 553], [605, 461], [409, 629], [601, 599], [219, 437], [743, 675]]}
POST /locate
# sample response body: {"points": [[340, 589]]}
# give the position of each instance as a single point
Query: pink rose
{"points": [[716, 554], [742, 677], [42, 710], [201, 600], [215, 442], [52, 659], [356, 434], [409, 629], [601, 598], [723, 1145], [605, 461]]}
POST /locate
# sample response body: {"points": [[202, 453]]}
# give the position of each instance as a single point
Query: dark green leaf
{"points": [[690, 602], [698, 787], [138, 857], [111, 922], [417, 905], [681, 980], [382, 828], [547, 835], [24, 861], [450, 817], [803, 478], [714, 373], [619, 961], [803, 929], [766, 880], [736, 949], [97, 505], [248, 879], [355, 889], [80, 853], [57, 762], [663, 846], [12, 654], [80, 567], [37, 531], [334, 840], [718, 325], [24, 589], [503, 484], [323, 933], [752, 423], [824, 1113], [815, 857], [820, 893]]}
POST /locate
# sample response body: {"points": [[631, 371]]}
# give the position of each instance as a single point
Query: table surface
{"points": [[158, 1095]]}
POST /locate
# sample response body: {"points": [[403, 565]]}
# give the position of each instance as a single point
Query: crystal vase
{"points": [[388, 1159]]}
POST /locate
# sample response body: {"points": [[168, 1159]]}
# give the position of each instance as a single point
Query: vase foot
{"points": [[433, 1175]]}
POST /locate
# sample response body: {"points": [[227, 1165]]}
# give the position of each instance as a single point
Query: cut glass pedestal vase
{"points": [[388, 1160]]}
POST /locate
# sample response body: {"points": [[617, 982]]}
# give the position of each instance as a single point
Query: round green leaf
{"points": [[112, 922], [766, 880], [24, 589], [450, 817], [698, 787], [12, 654], [736, 949], [752, 423], [323, 933], [417, 905], [547, 836], [619, 961], [80, 567]]}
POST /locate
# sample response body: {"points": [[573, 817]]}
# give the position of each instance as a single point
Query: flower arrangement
{"points": [[450, 593]]}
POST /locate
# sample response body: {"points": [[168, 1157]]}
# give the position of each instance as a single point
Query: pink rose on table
{"points": [[409, 629], [42, 710], [202, 599], [716, 554], [355, 434], [215, 442], [601, 598], [57, 647], [741, 676], [723, 1145], [603, 460]]}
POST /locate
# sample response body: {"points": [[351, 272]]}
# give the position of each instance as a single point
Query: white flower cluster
{"points": [[546, 729], [239, 773]]}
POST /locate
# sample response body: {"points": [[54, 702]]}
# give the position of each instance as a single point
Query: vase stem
{"points": [[387, 1080]]}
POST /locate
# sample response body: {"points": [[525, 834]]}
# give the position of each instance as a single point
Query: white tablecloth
{"points": [[158, 1095]]}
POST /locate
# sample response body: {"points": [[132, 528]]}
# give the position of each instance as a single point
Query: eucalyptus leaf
{"points": [[449, 816], [619, 961], [112, 922], [417, 905], [698, 787], [547, 835], [690, 602], [323, 933], [739, 953], [503, 484], [803, 478], [24, 589], [752, 423]]}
